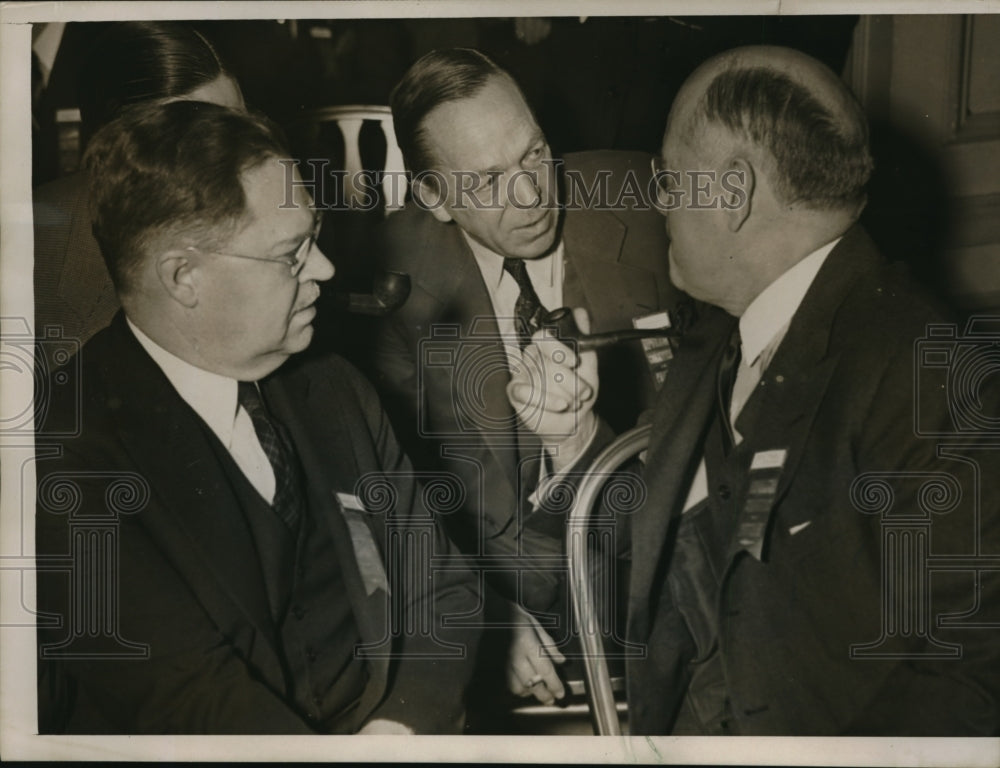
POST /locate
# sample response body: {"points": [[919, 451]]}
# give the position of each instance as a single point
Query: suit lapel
{"points": [[594, 276], [197, 519], [330, 465], [479, 376], [683, 411], [780, 414]]}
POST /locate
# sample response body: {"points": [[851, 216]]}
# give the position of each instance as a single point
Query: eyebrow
{"points": [[298, 239], [538, 137]]}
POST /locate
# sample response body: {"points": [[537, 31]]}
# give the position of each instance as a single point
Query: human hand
{"points": [[381, 727], [531, 660], [554, 389]]}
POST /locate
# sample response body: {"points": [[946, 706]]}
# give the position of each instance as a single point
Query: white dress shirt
{"points": [[546, 274], [213, 398], [763, 326]]}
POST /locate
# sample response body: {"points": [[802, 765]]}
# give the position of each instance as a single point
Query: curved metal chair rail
{"points": [[599, 689]]}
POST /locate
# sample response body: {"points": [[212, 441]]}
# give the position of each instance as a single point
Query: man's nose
{"points": [[524, 191], [317, 267]]}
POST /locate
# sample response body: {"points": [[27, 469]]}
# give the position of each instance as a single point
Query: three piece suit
{"points": [[812, 594], [199, 613]]}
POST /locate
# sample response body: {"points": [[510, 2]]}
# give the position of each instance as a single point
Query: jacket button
{"points": [[724, 492], [311, 654], [298, 613]]}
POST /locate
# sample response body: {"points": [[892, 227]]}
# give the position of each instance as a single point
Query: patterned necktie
{"points": [[288, 499], [727, 376], [528, 311]]}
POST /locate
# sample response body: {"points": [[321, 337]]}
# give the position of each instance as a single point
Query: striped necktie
{"points": [[528, 310], [289, 501]]}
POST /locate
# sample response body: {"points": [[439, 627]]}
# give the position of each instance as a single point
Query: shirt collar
{"points": [[213, 397], [541, 270], [772, 310]]}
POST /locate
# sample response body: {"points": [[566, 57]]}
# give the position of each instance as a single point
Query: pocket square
{"points": [[800, 527]]}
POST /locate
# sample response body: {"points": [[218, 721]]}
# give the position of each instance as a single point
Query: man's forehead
{"points": [[276, 199], [467, 133], [274, 184]]}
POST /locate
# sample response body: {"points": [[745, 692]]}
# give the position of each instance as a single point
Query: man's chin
{"points": [[540, 243]]}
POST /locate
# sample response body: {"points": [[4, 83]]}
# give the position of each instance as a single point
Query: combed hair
{"points": [[137, 61], [160, 169], [436, 78], [821, 160]]}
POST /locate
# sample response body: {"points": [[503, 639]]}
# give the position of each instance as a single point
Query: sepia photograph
{"points": [[531, 382]]}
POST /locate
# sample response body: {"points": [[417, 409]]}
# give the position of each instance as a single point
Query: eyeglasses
{"points": [[659, 168], [295, 261]]}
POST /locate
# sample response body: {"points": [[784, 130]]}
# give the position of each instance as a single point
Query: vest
{"points": [[315, 624], [699, 562]]}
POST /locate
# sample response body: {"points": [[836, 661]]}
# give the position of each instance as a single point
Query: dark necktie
{"points": [[288, 499], [528, 311], [727, 377]]}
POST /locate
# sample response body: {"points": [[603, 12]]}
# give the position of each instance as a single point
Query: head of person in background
{"points": [[765, 158], [133, 62], [476, 152], [207, 256], [129, 63]]}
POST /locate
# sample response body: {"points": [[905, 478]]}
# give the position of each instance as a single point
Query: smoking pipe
{"points": [[561, 321], [389, 291]]}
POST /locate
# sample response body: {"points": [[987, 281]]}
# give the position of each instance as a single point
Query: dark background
{"points": [[604, 83]]}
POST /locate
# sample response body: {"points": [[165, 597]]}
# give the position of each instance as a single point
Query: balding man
{"points": [[772, 584]]}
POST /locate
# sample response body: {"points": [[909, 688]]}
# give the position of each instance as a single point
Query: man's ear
{"points": [[431, 197], [736, 198], [176, 272]]}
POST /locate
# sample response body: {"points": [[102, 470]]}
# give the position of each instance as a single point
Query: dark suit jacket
{"points": [[440, 366], [840, 395], [188, 578]]}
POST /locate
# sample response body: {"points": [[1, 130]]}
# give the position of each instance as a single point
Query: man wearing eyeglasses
{"points": [[491, 243], [246, 581]]}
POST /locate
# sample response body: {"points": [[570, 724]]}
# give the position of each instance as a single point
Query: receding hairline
{"points": [[801, 69], [500, 75]]}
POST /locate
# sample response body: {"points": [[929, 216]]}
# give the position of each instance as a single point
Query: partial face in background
{"points": [[252, 312], [499, 179]]}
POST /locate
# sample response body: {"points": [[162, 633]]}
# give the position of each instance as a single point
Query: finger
{"points": [[545, 670], [535, 386], [528, 398], [565, 384], [520, 675], [549, 645], [582, 317], [552, 368], [554, 349]]}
